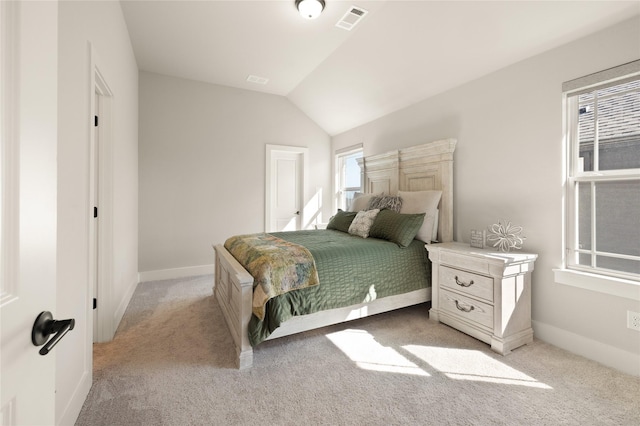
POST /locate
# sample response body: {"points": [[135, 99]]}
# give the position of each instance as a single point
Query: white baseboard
{"points": [[73, 408], [167, 274], [627, 362]]}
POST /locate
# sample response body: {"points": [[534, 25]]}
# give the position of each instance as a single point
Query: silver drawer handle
{"points": [[462, 308], [462, 283]]}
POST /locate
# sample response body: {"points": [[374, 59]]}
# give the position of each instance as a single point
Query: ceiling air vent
{"points": [[351, 18], [257, 80]]}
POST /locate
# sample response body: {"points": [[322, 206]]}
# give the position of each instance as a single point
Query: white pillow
{"points": [[362, 222], [361, 201], [422, 202]]}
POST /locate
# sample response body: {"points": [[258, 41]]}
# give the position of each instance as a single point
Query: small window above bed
{"points": [[348, 178]]}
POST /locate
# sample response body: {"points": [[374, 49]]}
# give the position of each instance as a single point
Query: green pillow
{"points": [[396, 227], [341, 221]]}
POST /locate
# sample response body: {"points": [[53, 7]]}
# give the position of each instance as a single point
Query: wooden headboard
{"points": [[417, 168]]}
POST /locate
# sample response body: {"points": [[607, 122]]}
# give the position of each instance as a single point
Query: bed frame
{"points": [[418, 168]]}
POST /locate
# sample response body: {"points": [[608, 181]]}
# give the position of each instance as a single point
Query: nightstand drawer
{"points": [[466, 282], [464, 261], [466, 308]]}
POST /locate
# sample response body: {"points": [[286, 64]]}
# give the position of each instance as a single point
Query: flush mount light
{"points": [[310, 9]]}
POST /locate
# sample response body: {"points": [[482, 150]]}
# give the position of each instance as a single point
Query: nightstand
{"points": [[483, 293]]}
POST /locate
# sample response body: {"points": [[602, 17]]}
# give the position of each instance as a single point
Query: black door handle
{"points": [[45, 326]]}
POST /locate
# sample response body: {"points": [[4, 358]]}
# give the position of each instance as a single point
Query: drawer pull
{"points": [[463, 308], [462, 283]]}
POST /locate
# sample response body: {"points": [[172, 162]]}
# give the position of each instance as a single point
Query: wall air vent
{"points": [[351, 18], [257, 80]]}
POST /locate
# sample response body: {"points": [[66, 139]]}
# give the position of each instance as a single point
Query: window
{"points": [[348, 176], [603, 180]]}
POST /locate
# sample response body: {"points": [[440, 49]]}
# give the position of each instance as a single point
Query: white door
{"points": [[285, 188], [286, 197], [28, 73]]}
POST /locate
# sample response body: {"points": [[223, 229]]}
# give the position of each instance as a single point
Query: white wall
{"points": [[102, 24], [509, 164], [202, 167]]}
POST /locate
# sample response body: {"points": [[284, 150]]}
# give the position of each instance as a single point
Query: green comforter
{"points": [[351, 270]]}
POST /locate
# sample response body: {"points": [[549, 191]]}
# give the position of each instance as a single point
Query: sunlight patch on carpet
{"points": [[362, 348], [463, 364]]}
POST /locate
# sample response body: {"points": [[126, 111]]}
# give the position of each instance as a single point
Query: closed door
{"points": [[285, 189], [286, 195]]}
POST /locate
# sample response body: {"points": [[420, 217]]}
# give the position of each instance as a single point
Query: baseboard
{"points": [[627, 362], [122, 306], [73, 408], [168, 274]]}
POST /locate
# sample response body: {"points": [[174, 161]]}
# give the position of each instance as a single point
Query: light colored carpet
{"points": [[171, 363]]}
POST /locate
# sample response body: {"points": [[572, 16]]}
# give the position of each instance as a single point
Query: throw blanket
{"points": [[277, 266]]}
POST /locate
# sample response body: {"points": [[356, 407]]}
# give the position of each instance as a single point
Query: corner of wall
{"points": [[122, 305]]}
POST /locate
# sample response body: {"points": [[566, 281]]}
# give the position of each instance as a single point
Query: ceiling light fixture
{"points": [[310, 9]]}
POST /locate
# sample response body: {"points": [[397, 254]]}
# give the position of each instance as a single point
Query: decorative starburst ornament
{"points": [[505, 237]]}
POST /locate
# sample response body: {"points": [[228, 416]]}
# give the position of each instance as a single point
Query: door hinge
{"points": [[95, 303], [95, 121], [95, 212]]}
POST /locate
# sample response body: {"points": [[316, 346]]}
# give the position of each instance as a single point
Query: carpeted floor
{"points": [[171, 363]]}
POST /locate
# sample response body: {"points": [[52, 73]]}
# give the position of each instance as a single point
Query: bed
{"points": [[419, 168]]}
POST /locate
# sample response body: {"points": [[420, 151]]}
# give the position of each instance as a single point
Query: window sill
{"points": [[600, 283]]}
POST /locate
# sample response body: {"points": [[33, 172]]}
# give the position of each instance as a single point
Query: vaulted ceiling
{"points": [[400, 53]]}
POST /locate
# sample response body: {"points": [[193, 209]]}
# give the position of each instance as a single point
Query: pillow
{"points": [[341, 221], [385, 202], [395, 227], [362, 222], [422, 202], [361, 201]]}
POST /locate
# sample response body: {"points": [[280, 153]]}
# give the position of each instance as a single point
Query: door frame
{"points": [[100, 265], [271, 150]]}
